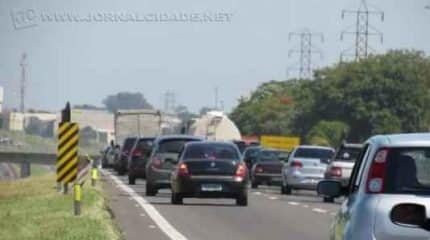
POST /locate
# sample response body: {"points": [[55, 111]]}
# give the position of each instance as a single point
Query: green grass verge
{"points": [[32, 209]]}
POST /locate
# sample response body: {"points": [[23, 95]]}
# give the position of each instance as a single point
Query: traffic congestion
{"points": [[383, 182]]}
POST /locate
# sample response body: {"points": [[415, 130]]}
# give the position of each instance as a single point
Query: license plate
{"points": [[211, 187], [276, 179]]}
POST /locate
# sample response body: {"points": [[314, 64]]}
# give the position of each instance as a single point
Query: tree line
{"points": [[387, 93]]}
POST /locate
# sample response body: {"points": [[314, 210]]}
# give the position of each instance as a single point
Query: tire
{"points": [[285, 190], [254, 185], [150, 190], [328, 200], [131, 180], [242, 200], [176, 199]]}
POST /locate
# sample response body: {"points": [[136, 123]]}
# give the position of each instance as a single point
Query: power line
{"points": [[305, 52], [362, 31]]}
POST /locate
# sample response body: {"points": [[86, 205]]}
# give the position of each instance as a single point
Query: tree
{"points": [[87, 107], [205, 110], [126, 100]]}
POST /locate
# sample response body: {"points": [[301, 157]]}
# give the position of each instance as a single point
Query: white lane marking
{"points": [[305, 206], [136, 205], [273, 198], [142, 215], [161, 222], [319, 210], [294, 203], [257, 193], [333, 214], [152, 226], [130, 198]]}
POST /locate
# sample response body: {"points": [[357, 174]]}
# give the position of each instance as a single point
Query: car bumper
{"points": [[267, 178], [159, 178], [303, 182], [193, 186], [343, 181]]}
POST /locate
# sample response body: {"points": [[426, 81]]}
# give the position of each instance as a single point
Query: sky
{"points": [[84, 61]]}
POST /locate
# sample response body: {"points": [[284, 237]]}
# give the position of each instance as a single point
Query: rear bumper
{"points": [[159, 178], [303, 181], [193, 186], [267, 178], [343, 181]]}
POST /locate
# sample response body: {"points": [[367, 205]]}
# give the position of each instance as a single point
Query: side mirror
{"points": [[329, 188], [410, 215]]}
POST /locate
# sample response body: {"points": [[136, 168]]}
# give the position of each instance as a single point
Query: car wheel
{"points": [[176, 199], [254, 185], [150, 190], [242, 200], [286, 190], [131, 180], [328, 200]]}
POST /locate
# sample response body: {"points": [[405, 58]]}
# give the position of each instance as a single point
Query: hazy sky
{"points": [[85, 61]]}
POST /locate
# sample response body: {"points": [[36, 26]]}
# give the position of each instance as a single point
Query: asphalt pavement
{"points": [[269, 215]]}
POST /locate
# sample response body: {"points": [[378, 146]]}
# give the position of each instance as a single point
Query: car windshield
{"points": [[348, 154], [173, 145], [408, 171], [211, 151], [269, 155], [316, 153]]}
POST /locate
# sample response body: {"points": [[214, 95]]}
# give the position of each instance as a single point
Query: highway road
{"points": [[269, 215]]}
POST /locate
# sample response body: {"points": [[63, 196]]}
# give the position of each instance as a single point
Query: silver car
{"points": [[388, 196], [305, 167]]}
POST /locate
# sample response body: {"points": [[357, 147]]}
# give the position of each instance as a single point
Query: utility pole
{"points": [[216, 98], [305, 52], [23, 64], [169, 101], [362, 30]]}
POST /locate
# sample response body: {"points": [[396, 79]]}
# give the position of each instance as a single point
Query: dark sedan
{"points": [[210, 170], [268, 167], [138, 159]]}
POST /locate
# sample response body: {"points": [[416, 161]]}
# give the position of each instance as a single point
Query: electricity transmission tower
{"points": [[362, 30], [169, 101], [23, 64], [305, 52]]}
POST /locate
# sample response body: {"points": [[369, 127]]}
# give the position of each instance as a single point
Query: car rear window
{"points": [[145, 144], [251, 152], [211, 151], [348, 154], [408, 171], [129, 143], [173, 145], [316, 153], [271, 155]]}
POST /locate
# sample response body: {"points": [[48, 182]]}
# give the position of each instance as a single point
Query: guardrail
{"points": [[26, 159]]}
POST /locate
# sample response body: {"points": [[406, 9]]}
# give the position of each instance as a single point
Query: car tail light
{"points": [[137, 153], [240, 172], [335, 171], [375, 180], [296, 164], [156, 162], [183, 170], [259, 169]]}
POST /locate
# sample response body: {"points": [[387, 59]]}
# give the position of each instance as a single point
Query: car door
{"points": [[344, 215]]}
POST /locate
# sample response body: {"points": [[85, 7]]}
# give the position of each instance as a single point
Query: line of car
{"points": [[385, 181]]}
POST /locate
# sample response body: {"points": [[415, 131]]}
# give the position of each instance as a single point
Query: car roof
{"points": [[401, 140], [314, 147], [212, 142], [168, 137]]}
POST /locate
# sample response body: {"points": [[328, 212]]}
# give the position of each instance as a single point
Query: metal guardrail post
{"points": [[77, 198], [25, 169]]}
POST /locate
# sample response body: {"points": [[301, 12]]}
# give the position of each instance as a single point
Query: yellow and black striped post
{"points": [[67, 155]]}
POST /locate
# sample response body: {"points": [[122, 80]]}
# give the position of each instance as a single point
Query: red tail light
{"points": [[156, 162], [137, 153], [335, 171], [183, 170], [375, 180], [296, 164], [259, 169], [241, 170]]}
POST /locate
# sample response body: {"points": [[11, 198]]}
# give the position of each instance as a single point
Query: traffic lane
{"points": [[265, 217], [130, 217], [304, 198]]}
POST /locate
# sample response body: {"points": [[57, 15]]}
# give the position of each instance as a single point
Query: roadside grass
{"points": [[32, 209]]}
